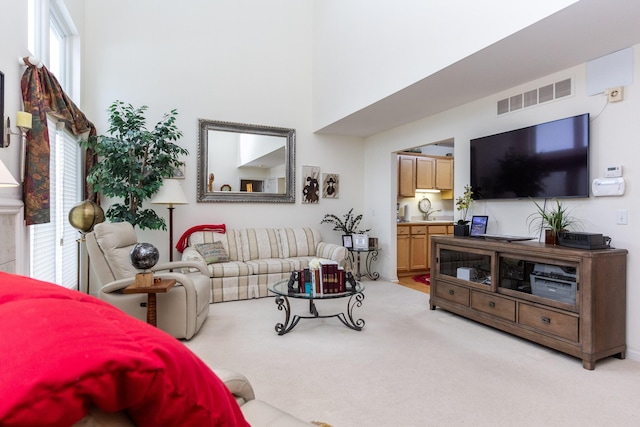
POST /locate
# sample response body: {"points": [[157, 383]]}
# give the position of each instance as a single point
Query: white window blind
{"points": [[54, 245]]}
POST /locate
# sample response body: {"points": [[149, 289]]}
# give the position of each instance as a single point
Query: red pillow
{"points": [[62, 351]]}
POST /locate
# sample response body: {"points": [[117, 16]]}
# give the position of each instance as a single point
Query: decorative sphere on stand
{"points": [[143, 256], [85, 215]]}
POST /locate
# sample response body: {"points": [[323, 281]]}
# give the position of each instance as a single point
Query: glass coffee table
{"points": [[281, 290]]}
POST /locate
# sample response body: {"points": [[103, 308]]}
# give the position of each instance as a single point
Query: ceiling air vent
{"points": [[530, 98]]}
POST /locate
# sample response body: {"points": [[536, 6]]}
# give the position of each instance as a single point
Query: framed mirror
{"points": [[240, 162]]}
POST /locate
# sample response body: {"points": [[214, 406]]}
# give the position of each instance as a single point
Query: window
{"points": [[53, 246]]}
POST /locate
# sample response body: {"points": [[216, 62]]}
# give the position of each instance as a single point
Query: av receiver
{"points": [[583, 240]]}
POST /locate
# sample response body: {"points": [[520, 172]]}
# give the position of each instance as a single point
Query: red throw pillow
{"points": [[62, 351]]}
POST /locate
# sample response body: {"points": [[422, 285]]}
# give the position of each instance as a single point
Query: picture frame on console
{"points": [[347, 241], [360, 241]]}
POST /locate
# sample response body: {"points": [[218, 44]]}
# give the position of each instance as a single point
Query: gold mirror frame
{"points": [[205, 146]]}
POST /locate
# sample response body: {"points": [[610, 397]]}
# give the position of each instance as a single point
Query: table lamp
{"points": [[170, 194]]}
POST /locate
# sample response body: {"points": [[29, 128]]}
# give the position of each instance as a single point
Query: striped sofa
{"points": [[258, 257]]}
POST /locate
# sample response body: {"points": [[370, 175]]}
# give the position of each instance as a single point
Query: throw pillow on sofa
{"points": [[212, 252]]}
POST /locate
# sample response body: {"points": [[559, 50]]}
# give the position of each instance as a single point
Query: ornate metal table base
{"points": [[354, 258], [347, 319]]}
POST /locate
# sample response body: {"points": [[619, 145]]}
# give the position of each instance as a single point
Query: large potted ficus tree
{"points": [[133, 161]]}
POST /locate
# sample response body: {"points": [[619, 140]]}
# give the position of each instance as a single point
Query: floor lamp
{"points": [[170, 194], [83, 217]]}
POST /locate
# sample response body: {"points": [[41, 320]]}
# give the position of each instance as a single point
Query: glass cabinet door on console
{"points": [[470, 266], [557, 282]]}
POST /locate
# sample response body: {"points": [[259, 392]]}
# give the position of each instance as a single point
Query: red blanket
{"points": [[182, 243], [62, 352]]}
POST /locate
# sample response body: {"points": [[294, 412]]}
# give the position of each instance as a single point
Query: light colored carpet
{"points": [[411, 366]]}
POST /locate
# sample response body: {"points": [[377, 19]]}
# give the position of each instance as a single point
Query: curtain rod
{"points": [[32, 59]]}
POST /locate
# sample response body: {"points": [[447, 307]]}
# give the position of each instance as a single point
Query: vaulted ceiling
{"points": [[577, 34]]}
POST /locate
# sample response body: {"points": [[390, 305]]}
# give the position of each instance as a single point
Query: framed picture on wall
{"points": [[310, 184], [330, 185]]}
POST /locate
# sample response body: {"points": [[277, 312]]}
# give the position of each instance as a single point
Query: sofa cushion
{"points": [[230, 269], [230, 240], [212, 252], [298, 242], [260, 243], [271, 265]]}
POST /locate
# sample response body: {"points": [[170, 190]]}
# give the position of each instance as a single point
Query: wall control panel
{"points": [[613, 171]]}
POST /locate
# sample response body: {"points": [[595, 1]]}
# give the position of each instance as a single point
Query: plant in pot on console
{"points": [[348, 225], [133, 162], [463, 203], [558, 218]]}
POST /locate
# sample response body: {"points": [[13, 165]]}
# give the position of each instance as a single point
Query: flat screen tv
{"points": [[543, 161]]}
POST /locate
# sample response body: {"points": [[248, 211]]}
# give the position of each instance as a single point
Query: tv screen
{"points": [[542, 161]]}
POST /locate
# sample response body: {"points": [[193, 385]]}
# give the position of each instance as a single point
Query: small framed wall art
{"points": [[330, 185], [310, 184]]}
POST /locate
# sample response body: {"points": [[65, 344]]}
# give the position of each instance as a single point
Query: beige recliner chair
{"points": [[181, 311]]}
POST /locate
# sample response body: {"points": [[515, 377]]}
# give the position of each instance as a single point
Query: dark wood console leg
{"points": [[622, 355], [590, 365], [432, 307]]}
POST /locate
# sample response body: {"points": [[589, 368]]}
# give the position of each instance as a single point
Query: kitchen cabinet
{"points": [[418, 172], [413, 246], [444, 173], [406, 176], [425, 173], [411, 249], [403, 248]]}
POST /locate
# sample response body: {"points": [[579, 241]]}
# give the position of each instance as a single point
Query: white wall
{"points": [[13, 23], [239, 61], [367, 50], [614, 137]]}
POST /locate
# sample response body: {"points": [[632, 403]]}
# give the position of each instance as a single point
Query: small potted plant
{"points": [[348, 225], [463, 203], [558, 218]]}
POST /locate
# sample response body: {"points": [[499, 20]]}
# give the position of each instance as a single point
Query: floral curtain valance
{"points": [[42, 95]]}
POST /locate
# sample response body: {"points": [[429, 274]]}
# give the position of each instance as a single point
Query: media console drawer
{"points": [[558, 324], [494, 305], [453, 293]]}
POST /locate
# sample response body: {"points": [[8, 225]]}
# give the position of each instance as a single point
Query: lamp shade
{"points": [[24, 119], [6, 179], [170, 194], [85, 215]]}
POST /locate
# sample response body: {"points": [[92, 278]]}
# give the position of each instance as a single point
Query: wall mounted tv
{"points": [[542, 161]]}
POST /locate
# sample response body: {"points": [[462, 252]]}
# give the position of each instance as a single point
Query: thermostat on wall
{"points": [[613, 171]]}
